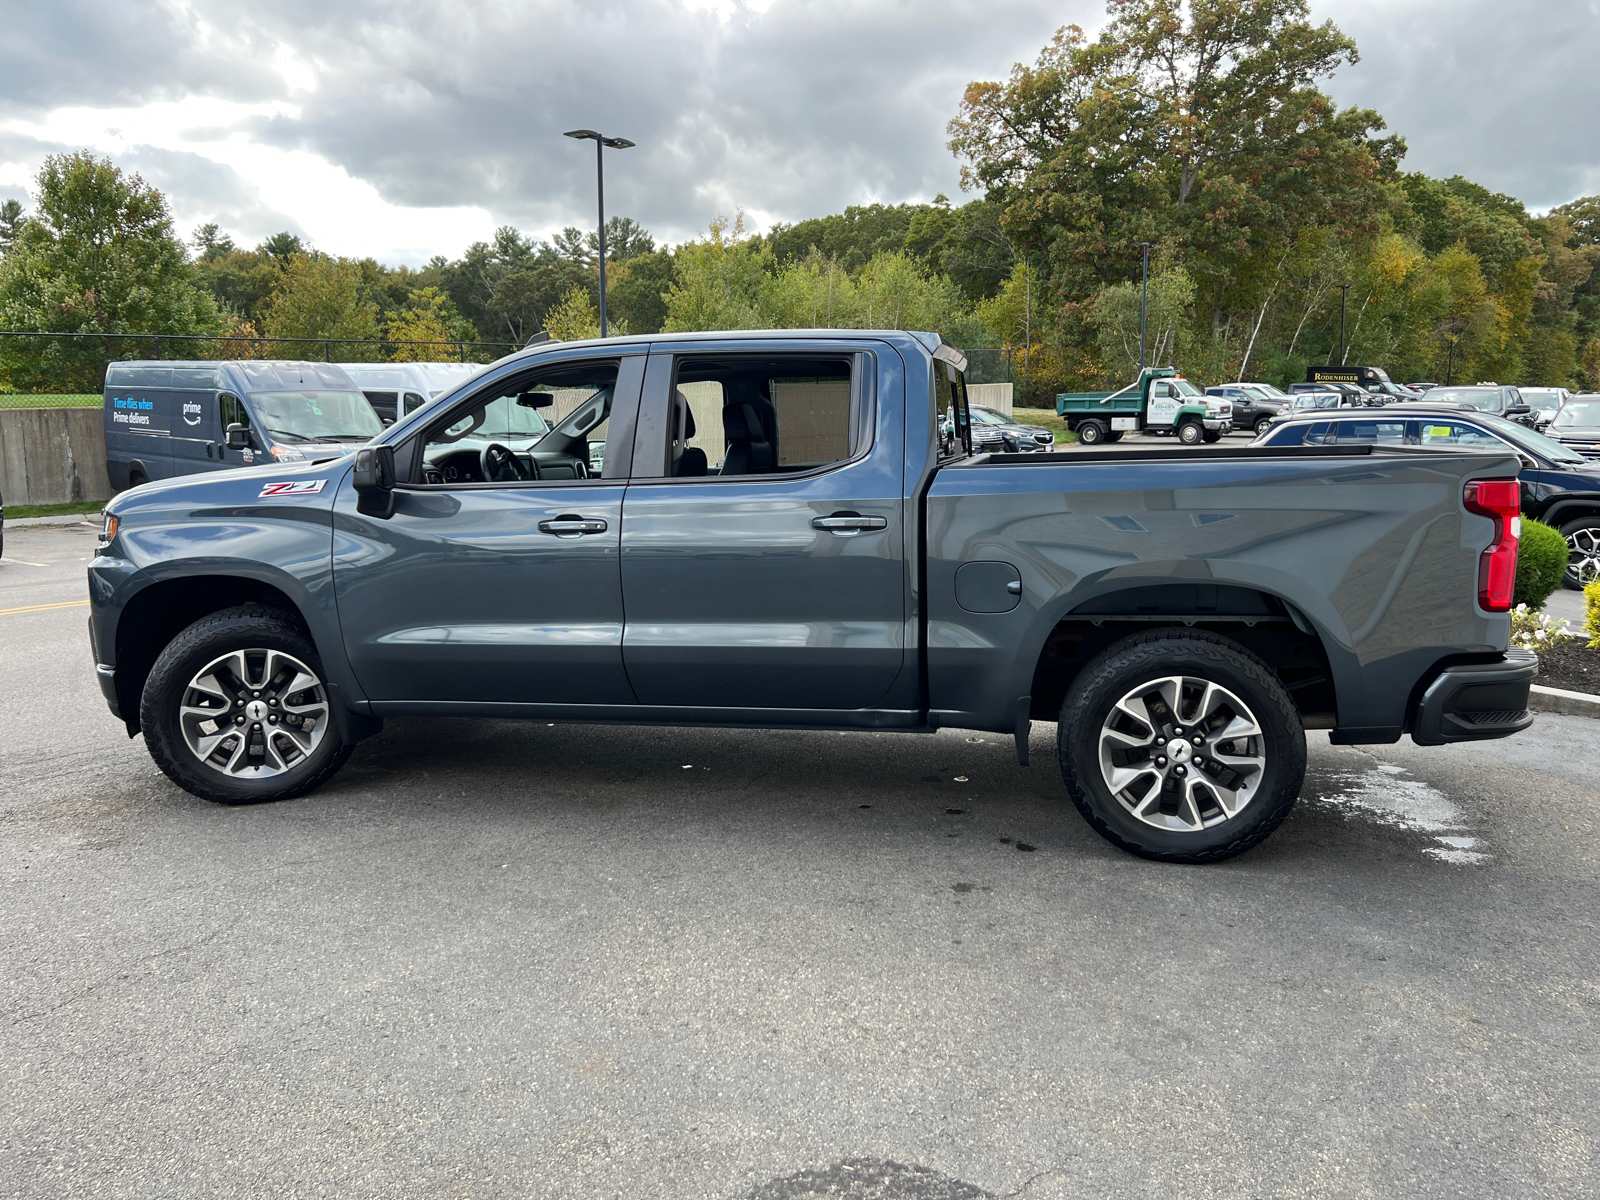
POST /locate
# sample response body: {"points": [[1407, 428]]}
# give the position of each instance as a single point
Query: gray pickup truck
{"points": [[789, 529]]}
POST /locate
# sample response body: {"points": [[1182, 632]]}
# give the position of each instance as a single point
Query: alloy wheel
{"points": [[253, 714], [1182, 753], [1583, 554]]}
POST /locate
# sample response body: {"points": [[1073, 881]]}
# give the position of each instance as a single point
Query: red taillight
{"points": [[1501, 501]]}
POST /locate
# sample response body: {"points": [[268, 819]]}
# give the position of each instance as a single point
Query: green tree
{"points": [[636, 290], [99, 256], [428, 317], [575, 317], [719, 281], [321, 297], [12, 219]]}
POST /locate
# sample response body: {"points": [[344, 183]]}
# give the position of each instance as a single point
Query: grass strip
{"points": [[16, 512]]}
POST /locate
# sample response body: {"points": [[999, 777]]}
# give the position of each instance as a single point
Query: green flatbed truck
{"points": [[1160, 401]]}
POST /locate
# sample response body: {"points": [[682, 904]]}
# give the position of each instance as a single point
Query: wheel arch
{"points": [[152, 616], [1294, 642]]}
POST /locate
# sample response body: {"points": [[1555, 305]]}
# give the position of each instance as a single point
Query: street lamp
{"points": [[600, 144], [1344, 295], [1144, 295]]}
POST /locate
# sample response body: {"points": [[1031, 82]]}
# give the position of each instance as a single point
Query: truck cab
{"points": [[1160, 401]]}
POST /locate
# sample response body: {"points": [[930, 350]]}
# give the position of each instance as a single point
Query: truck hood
{"points": [[233, 486]]}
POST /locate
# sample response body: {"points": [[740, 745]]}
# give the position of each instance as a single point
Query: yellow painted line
{"points": [[6, 612]]}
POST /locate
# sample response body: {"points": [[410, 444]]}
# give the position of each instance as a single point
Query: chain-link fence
{"points": [[41, 349]]}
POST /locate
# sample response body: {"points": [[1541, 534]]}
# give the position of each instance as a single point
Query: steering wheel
{"points": [[502, 466]]}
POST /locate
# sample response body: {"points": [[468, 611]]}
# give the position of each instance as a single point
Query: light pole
{"points": [[1344, 295], [1144, 295], [600, 144]]}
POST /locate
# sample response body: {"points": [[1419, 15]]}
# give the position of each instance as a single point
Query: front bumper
{"points": [[1476, 701]]}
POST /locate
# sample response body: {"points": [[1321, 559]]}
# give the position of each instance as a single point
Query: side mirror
{"points": [[373, 479], [238, 437], [1519, 410]]}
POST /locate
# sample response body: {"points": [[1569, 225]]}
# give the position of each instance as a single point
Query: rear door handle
{"points": [[567, 526], [848, 523]]}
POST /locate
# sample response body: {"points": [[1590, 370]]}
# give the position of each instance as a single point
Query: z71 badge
{"points": [[293, 487]]}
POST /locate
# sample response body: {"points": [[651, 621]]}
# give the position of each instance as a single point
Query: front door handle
{"points": [[569, 526], [847, 524]]}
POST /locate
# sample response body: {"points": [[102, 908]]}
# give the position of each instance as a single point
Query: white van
{"points": [[395, 389]]}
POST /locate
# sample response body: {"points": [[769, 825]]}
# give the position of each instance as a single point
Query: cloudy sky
{"points": [[403, 128]]}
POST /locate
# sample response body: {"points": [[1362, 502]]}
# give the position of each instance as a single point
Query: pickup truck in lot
{"points": [[790, 529]]}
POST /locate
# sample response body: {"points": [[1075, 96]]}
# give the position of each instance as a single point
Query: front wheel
{"points": [[1261, 425], [237, 710], [1114, 436], [1182, 747], [1212, 435], [1091, 433], [1190, 433], [1583, 552]]}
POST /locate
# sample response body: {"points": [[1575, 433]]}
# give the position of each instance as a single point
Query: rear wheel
{"points": [[1261, 425], [135, 478], [1190, 433], [237, 709], [1583, 551], [1115, 435], [1092, 433], [1182, 747]]}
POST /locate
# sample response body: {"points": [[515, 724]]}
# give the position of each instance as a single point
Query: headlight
{"points": [[107, 532], [287, 454]]}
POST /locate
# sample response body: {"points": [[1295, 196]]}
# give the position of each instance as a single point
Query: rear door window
{"points": [[1435, 432]]}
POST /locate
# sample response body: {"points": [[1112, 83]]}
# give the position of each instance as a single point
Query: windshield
{"points": [[1535, 443], [1482, 399], [505, 419], [988, 416], [1267, 390], [1185, 388], [1544, 399], [1576, 413], [316, 416], [1317, 400]]}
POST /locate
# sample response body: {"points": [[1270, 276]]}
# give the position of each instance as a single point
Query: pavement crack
{"points": [[1033, 1179]]}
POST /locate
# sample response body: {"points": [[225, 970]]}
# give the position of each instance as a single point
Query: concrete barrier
{"points": [[52, 455], [991, 395]]}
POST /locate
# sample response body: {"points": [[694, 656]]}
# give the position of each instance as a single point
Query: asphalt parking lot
{"points": [[511, 960]]}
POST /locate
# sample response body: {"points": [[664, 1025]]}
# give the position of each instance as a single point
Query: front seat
{"points": [[685, 459], [749, 451]]}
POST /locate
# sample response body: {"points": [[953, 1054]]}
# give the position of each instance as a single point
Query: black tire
{"points": [[1583, 552], [250, 628], [1091, 433], [1191, 433], [1122, 668], [1212, 435], [135, 478], [1115, 435], [1261, 425]]}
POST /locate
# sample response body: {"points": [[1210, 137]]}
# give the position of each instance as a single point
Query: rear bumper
{"points": [[1477, 701]]}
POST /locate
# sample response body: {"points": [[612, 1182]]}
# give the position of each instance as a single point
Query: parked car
{"points": [[1253, 406], [1558, 485], [1352, 394], [395, 389], [1545, 402], [838, 558], [1502, 399], [1421, 387], [167, 418], [994, 431], [1577, 424]]}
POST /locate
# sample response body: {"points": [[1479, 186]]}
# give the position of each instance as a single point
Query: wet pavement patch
{"points": [[869, 1179]]}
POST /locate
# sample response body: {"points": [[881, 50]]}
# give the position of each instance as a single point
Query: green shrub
{"points": [[1591, 614], [1541, 562]]}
